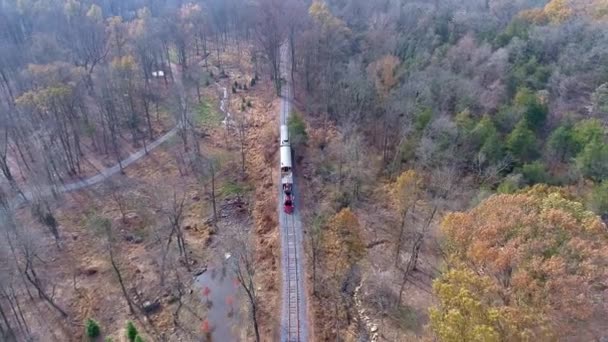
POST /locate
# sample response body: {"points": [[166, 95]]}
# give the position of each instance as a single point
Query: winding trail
{"points": [[103, 174], [294, 319]]}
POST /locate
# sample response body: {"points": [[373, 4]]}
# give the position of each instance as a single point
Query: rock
{"points": [[134, 238], [90, 271], [200, 271], [150, 307], [131, 216], [374, 328], [171, 299]]}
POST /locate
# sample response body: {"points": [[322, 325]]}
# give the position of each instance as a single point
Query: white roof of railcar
{"points": [[285, 156], [284, 135]]}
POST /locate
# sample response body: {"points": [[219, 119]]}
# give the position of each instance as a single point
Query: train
{"points": [[286, 170]]}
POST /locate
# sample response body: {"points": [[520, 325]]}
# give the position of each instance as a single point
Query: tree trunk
{"points": [[121, 282]]}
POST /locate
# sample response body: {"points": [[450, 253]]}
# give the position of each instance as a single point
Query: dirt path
{"points": [[27, 195]]}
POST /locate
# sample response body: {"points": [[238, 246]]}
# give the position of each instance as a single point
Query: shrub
{"points": [[534, 173], [233, 90], [593, 160], [92, 329], [131, 331], [561, 142], [138, 339], [252, 82], [522, 142], [510, 184], [599, 198], [423, 119], [586, 132], [249, 104], [534, 111], [297, 130]]}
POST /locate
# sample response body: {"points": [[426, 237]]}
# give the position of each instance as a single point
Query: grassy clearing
{"points": [[405, 317], [230, 189], [207, 115]]}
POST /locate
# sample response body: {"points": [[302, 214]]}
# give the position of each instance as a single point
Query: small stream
{"points": [[224, 108], [218, 288]]}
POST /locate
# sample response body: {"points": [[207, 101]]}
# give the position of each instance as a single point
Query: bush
{"points": [[92, 329], [561, 143], [599, 198], [522, 142], [252, 82], [593, 160], [233, 90], [510, 184], [534, 173], [138, 339], [297, 130], [586, 132], [534, 111], [249, 104], [423, 119], [131, 331]]}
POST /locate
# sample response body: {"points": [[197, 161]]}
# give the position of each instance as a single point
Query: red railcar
{"points": [[288, 204]]}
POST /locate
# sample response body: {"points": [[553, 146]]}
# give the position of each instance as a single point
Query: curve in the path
{"points": [[107, 172]]}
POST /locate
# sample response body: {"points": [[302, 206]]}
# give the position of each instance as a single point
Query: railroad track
{"points": [[292, 290], [294, 322]]}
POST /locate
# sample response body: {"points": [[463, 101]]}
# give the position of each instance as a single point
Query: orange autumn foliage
{"points": [[343, 243], [545, 254]]}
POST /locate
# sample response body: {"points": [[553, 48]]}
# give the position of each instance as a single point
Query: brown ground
{"points": [[80, 274], [380, 280]]}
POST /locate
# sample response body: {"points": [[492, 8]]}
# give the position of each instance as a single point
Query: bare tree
{"points": [[24, 251], [270, 34], [206, 171], [241, 126], [243, 265], [104, 227], [172, 203]]}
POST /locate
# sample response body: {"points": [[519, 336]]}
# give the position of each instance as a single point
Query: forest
{"points": [[451, 160]]}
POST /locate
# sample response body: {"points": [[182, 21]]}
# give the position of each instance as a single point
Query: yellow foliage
{"points": [[407, 189], [124, 63], [321, 14], [343, 243], [543, 252], [464, 313], [43, 99], [557, 11], [536, 16]]}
